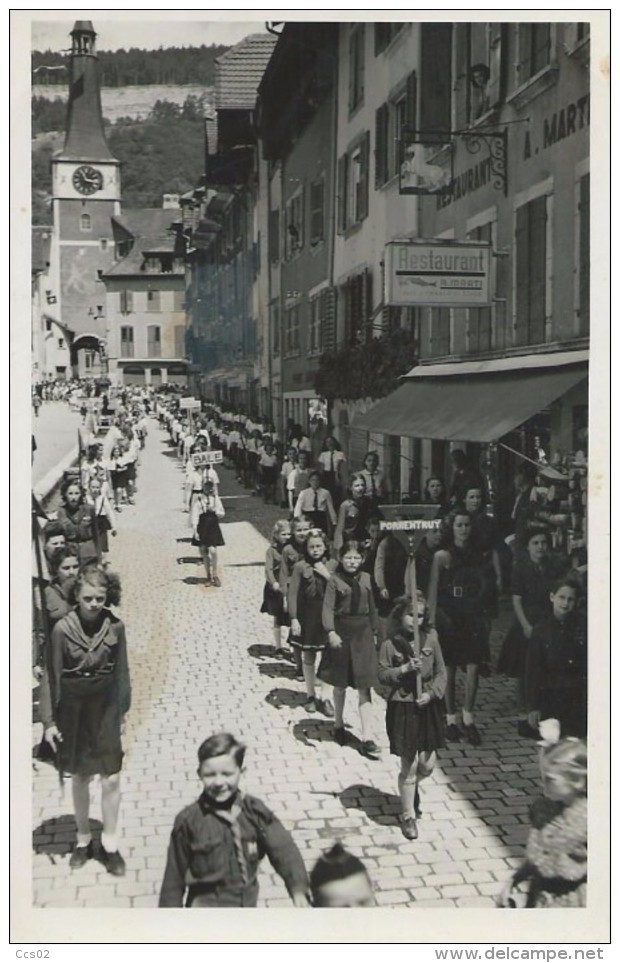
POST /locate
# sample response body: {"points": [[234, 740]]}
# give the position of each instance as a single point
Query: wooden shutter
{"points": [[411, 102], [522, 275], [538, 269], [328, 320], [524, 65], [584, 254], [541, 48], [342, 194], [352, 60], [316, 211], [496, 45], [436, 76], [368, 304], [363, 186], [381, 143], [462, 89]]}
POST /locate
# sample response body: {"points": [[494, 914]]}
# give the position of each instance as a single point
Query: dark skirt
{"points": [[319, 520], [119, 479], [273, 604], [412, 730], [513, 652], [313, 636], [464, 639], [354, 664], [89, 720], [131, 471], [211, 536]]}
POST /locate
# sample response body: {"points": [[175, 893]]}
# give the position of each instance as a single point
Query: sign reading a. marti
{"points": [[558, 126]]}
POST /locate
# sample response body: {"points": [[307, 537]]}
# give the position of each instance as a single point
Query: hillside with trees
{"points": [[124, 68], [164, 153]]}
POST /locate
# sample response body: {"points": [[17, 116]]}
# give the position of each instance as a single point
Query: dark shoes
{"points": [[472, 735], [80, 856], [113, 862], [310, 704], [370, 749], [409, 827], [453, 733], [326, 708], [340, 735]]}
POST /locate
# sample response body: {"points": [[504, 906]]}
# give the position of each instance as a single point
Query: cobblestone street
{"points": [[202, 660]]}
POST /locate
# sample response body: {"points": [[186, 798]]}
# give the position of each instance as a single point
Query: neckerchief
{"points": [[356, 593], [230, 815], [404, 644], [74, 631]]}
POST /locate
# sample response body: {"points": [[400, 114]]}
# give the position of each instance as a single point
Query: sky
{"points": [[137, 29]]}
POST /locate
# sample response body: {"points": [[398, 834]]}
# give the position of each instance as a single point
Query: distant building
{"points": [[50, 338], [145, 295]]}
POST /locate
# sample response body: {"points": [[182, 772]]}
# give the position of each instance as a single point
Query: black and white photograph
{"points": [[312, 458]]}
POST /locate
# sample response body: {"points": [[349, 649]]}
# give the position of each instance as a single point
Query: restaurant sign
{"points": [[437, 273]]}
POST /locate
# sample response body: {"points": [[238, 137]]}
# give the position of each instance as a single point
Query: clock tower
{"points": [[86, 195]]}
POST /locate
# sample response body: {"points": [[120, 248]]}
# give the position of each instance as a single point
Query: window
{"points": [[478, 67], [317, 211], [436, 76], [153, 300], [384, 34], [480, 320], [127, 342], [534, 49], [48, 325], [294, 234], [441, 340], [531, 272], [390, 119], [583, 31], [61, 343], [353, 185], [583, 306], [314, 330], [126, 301], [153, 341], [356, 301], [103, 243], [292, 329], [356, 66], [166, 263], [178, 300], [85, 222], [274, 235], [275, 328]]}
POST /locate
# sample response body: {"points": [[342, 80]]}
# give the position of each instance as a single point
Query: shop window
{"points": [[534, 49], [436, 76], [531, 272], [317, 211], [127, 342], [85, 222], [294, 234], [353, 185], [153, 300], [584, 254], [126, 301], [357, 37], [153, 341], [480, 320]]}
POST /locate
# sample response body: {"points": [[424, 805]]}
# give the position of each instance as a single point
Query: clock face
{"points": [[87, 180]]}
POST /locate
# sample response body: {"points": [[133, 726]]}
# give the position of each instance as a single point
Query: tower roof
{"points": [[85, 136]]}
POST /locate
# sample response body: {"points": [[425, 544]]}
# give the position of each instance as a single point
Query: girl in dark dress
{"points": [[78, 521], [206, 511], [273, 598], [89, 693], [306, 592], [415, 726], [458, 589], [353, 514], [350, 658]]}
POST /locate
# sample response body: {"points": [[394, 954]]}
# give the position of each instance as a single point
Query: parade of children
{"points": [[428, 635]]}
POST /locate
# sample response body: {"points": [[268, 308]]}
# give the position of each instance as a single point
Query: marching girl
{"points": [[89, 696], [458, 588], [353, 514], [273, 598], [306, 591], [350, 658], [332, 463], [117, 468], [291, 554], [206, 511], [78, 521], [415, 724], [105, 519]]}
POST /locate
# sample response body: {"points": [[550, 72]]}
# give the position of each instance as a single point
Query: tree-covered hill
{"points": [[123, 68]]}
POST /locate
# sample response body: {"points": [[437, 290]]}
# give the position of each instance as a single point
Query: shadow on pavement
{"points": [[261, 651], [186, 540], [280, 698], [311, 731], [194, 580], [380, 807], [56, 837], [278, 670], [189, 560]]}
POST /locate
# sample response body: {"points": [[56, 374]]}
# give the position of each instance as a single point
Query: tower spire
{"points": [[85, 137]]}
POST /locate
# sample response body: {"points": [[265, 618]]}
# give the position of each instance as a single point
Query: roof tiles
{"points": [[238, 72]]}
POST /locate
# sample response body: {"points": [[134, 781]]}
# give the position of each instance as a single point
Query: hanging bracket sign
{"points": [[437, 273]]}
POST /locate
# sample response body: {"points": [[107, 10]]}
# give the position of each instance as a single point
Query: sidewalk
{"points": [[201, 660]]}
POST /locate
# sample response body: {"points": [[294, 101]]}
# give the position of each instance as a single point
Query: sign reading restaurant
{"points": [[437, 273]]}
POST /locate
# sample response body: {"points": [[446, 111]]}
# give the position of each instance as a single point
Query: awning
{"points": [[475, 407]]}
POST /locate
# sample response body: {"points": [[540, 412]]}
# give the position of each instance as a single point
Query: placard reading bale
{"points": [[202, 458]]}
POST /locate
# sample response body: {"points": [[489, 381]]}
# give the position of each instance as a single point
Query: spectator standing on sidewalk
{"points": [[218, 841], [89, 694]]}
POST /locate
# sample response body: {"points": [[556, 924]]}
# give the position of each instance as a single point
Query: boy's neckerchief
{"points": [[230, 814]]}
